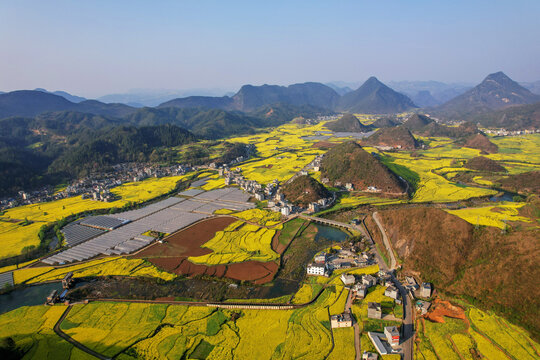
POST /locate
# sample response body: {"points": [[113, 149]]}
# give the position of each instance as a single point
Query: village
{"points": [[359, 286]]}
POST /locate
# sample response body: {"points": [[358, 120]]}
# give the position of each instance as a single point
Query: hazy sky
{"points": [[92, 48]]}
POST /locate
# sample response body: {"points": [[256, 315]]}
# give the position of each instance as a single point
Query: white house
{"points": [[314, 269], [392, 292]]}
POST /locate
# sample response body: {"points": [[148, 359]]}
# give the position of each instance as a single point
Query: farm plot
{"points": [[494, 215], [130, 330], [31, 329], [450, 332], [102, 267], [172, 256], [237, 243]]}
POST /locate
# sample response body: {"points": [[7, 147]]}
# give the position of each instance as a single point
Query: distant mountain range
{"points": [[65, 95], [250, 97], [429, 93], [373, 97], [497, 91], [32, 103]]}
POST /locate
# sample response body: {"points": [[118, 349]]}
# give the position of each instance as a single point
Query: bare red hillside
{"points": [[492, 270]]}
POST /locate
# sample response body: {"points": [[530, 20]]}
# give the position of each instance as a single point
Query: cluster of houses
{"points": [[420, 293], [325, 263], [504, 132], [96, 186]]}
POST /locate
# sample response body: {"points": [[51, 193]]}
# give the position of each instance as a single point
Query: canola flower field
{"points": [[493, 215], [131, 330], [239, 242], [15, 237], [485, 334], [101, 267]]}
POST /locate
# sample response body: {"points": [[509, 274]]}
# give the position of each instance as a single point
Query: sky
{"points": [[93, 48]]}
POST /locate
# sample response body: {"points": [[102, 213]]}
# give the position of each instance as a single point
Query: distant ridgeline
{"points": [[48, 137]]}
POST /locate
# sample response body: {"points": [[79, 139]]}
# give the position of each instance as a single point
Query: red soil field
{"points": [[172, 255], [441, 308]]}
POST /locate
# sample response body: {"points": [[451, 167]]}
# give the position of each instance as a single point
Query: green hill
{"points": [[519, 117], [304, 190], [350, 163], [384, 122], [482, 163], [395, 137], [480, 142], [348, 123], [417, 122]]}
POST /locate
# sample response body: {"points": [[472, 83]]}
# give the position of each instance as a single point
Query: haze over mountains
{"points": [[495, 92]]}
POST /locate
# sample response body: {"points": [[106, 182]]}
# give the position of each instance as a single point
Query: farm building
{"points": [[360, 290], [341, 320], [369, 356], [67, 280], [347, 279], [321, 258], [425, 290], [53, 297], [392, 292], [369, 280], [392, 335], [374, 310], [316, 270]]}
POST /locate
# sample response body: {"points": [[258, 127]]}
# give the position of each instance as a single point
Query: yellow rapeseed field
{"points": [[239, 242], [343, 339], [101, 267], [512, 339], [492, 215], [259, 216], [31, 328]]}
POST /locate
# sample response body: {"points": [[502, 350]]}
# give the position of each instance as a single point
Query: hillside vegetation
{"points": [[482, 163], [304, 190], [395, 137], [481, 142], [350, 163], [348, 123], [525, 183]]}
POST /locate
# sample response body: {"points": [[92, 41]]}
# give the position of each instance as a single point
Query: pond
{"points": [[27, 296], [330, 233], [504, 197]]}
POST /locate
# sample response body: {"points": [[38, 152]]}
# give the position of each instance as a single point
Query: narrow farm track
{"points": [[393, 262], [72, 341]]}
